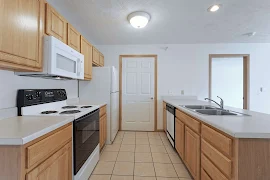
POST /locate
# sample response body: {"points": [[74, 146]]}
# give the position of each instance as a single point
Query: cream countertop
{"points": [[257, 125], [23, 129]]}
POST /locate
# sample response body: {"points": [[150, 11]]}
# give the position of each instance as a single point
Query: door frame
{"points": [[120, 86], [246, 74]]}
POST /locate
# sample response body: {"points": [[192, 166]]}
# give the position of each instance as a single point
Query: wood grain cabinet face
{"points": [[95, 56], [179, 137], [21, 32], [87, 51], [56, 25], [74, 38], [165, 120], [192, 152], [101, 59], [102, 126], [58, 166]]}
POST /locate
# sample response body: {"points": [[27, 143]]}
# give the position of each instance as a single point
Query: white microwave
{"points": [[60, 61]]}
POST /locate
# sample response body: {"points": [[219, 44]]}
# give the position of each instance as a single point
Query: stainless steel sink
{"points": [[216, 112], [199, 107], [219, 112]]}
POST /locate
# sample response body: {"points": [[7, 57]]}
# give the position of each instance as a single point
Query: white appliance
{"points": [[103, 88], [59, 61], [170, 110], [52, 102]]}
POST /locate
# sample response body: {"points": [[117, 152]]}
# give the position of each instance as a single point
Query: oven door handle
{"points": [[89, 114]]}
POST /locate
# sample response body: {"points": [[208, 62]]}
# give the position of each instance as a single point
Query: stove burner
{"points": [[86, 106], [69, 107], [70, 112], [48, 112]]}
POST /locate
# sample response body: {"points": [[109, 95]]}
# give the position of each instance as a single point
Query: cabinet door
{"points": [[192, 152], [74, 38], [95, 56], [87, 51], [56, 25], [105, 129], [21, 32], [101, 59], [165, 120], [179, 137], [58, 166], [100, 132]]}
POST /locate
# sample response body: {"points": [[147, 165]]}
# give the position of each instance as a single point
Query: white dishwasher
{"points": [[170, 110]]}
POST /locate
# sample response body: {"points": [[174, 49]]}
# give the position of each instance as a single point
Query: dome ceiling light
{"points": [[214, 8], [139, 19]]}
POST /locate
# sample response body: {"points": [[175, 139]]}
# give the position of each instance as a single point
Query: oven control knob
{"points": [[29, 97], [38, 94]]}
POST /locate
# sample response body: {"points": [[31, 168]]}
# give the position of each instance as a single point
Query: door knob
{"points": [[152, 98]]}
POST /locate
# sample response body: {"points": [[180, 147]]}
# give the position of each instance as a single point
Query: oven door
{"points": [[85, 138]]}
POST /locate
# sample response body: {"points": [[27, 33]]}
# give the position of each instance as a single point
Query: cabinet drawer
{"points": [[46, 147], [204, 175], [211, 169], [189, 121], [218, 140], [221, 161], [102, 111]]}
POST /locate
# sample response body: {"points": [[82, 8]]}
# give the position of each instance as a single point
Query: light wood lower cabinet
{"points": [[58, 166], [56, 25], [164, 117], [45, 158], [102, 126], [179, 137], [21, 33], [192, 152]]}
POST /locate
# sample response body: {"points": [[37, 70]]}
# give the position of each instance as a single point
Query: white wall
{"points": [[10, 83], [227, 81], [185, 67]]}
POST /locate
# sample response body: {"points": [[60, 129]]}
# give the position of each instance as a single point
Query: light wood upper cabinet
{"points": [[87, 51], [74, 38], [58, 166], [95, 56], [101, 59], [179, 137], [192, 152], [56, 25], [21, 32]]}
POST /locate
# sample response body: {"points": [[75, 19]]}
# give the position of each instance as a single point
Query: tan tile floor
{"points": [[140, 156]]}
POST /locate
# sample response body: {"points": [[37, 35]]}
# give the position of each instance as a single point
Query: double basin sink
{"points": [[210, 110]]}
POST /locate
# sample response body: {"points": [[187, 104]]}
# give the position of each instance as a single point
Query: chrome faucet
{"points": [[221, 105]]}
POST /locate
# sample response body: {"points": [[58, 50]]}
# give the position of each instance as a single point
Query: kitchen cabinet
{"points": [[102, 126], [21, 32], [95, 56], [192, 152], [58, 166], [179, 137], [164, 117], [87, 51], [56, 25], [101, 59], [74, 38], [47, 157]]}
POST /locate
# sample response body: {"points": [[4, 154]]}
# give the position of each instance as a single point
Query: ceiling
{"points": [[172, 21]]}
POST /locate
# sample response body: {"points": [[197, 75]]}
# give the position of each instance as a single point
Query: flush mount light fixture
{"points": [[214, 8], [139, 19]]}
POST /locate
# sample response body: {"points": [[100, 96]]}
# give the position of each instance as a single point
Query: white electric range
{"points": [[53, 102]]}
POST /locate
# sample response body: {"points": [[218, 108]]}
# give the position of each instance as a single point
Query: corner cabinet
{"points": [[87, 51], [21, 32], [56, 25]]}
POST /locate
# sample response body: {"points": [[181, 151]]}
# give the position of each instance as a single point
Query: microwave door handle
{"points": [[79, 67]]}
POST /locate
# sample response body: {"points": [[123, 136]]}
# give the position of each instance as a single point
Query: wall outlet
{"points": [[182, 92]]}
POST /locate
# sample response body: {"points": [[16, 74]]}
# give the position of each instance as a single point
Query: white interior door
{"points": [[228, 81], [138, 84]]}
